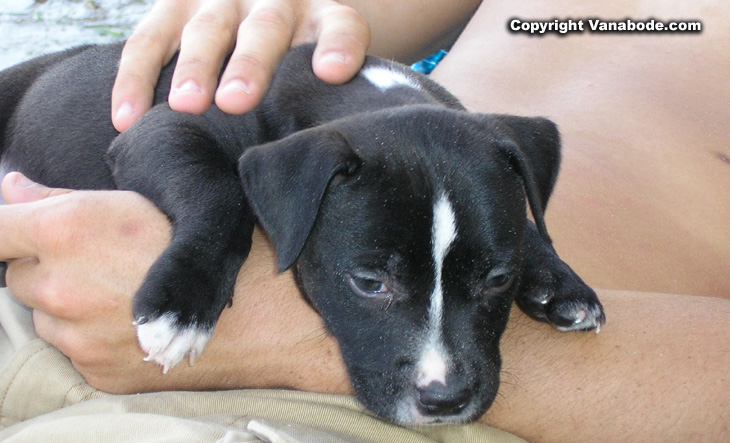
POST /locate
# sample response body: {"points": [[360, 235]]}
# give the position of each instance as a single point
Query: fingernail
{"points": [[333, 58], [124, 112], [188, 87], [236, 85]]}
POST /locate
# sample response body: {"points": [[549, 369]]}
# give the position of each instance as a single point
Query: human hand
{"points": [[259, 32], [79, 256]]}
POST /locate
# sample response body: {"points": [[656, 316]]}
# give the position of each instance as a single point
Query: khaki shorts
{"points": [[43, 399]]}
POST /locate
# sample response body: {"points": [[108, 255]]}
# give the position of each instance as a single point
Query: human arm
{"points": [[258, 33], [655, 370], [80, 287]]}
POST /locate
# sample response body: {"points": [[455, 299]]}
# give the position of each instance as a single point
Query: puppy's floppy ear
{"points": [[533, 147], [286, 180]]}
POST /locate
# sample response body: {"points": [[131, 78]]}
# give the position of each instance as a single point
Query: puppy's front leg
{"points": [[551, 292], [177, 162]]}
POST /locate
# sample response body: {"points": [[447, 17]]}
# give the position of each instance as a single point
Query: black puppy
{"points": [[402, 215]]}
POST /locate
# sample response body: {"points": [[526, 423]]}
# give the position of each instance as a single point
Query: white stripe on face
{"points": [[433, 364], [443, 234]]}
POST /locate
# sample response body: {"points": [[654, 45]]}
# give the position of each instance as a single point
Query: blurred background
{"points": [[33, 27]]}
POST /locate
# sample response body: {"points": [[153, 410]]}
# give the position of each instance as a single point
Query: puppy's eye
{"points": [[499, 280], [367, 286]]}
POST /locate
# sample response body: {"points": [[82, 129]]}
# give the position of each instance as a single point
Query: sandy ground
{"points": [[33, 27]]}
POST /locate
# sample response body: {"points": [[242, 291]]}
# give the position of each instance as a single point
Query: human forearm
{"points": [[269, 338], [658, 360], [79, 258]]}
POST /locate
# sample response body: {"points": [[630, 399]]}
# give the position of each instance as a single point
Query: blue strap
{"points": [[426, 65]]}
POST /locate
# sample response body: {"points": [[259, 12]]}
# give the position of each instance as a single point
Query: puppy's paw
{"points": [[564, 312], [167, 342], [557, 295], [177, 308]]}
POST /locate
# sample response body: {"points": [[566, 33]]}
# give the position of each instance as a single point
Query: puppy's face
{"points": [[412, 259], [416, 286]]}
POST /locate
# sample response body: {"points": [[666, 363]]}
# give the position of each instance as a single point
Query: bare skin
{"points": [[81, 293], [641, 203], [639, 207], [657, 369]]}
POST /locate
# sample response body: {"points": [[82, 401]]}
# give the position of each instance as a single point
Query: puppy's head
{"points": [[405, 228]]}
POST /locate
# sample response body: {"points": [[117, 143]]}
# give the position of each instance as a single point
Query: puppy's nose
{"points": [[439, 399]]}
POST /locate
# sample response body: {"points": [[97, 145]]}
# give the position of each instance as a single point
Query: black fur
{"points": [[344, 180]]}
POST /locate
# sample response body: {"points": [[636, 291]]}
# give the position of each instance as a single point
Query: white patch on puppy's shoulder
{"points": [[384, 78]]}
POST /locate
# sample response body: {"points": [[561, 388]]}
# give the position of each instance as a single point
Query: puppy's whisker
{"points": [[320, 334]]}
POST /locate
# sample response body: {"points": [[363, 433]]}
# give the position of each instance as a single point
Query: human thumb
{"points": [[17, 188]]}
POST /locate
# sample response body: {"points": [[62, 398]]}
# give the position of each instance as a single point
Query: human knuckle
{"points": [[52, 299], [132, 80], [346, 13], [179, 4], [140, 41], [92, 378], [345, 23], [192, 62], [272, 17], [83, 353], [206, 23], [67, 343], [247, 58], [130, 77]]}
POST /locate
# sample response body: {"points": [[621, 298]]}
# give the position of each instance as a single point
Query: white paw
{"points": [[166, 343]]}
